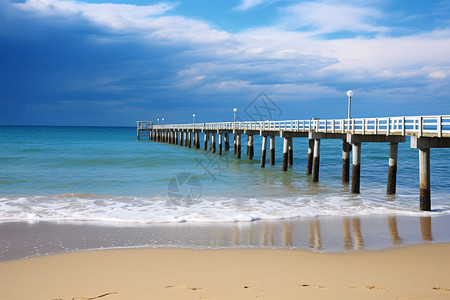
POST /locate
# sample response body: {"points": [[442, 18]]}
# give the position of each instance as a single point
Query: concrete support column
{"points": [[290, 151], [176, 137], [356, 168], [186, 137], [227, 141], [392, 172], [181, 138], [424, 169], [309, 162], [205, 147], [238, 145], [249, 146], [285, 154], [316, 160], [220, 143], [263, 151], [272, 150], [346, 148], [213, 142]]}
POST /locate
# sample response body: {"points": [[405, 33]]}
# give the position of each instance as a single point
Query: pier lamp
{"points": [[158, 121], [350, 95], [235, 110], [193, 119], [162, 119]]}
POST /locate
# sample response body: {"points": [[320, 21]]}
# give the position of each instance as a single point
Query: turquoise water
{"points": [[103, 174]]}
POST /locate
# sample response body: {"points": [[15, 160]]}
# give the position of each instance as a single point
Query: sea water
{"points": [[103, 174]]}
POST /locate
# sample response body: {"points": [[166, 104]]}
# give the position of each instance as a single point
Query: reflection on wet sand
{"points": [[425, 228], [357, 239], [392, 224], [315, 239], [282, 234]]}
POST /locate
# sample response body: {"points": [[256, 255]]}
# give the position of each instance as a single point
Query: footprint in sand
{"points": [[441, 289], [184, 287], [370, 287], [313, 286]]}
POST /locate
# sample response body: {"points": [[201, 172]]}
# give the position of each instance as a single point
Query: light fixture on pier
{"points": [[235, 110], [193, 118], [158, 121], [350, 95], [162, 119]]}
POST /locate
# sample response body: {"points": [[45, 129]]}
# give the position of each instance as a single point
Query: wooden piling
{"points": [[189, 140], [290, 151], [263, 151], [213, 142], [346, 148], [197, 139], [249, 146], [227, 141], [272, 150], [316, 160], [392, 171], [205, 147], [309, 162], [356, 168], [238, 145], [285, 154], [424, 169], [220, 143]]}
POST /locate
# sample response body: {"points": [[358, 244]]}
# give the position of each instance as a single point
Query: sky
{"points": [[114, 62]]}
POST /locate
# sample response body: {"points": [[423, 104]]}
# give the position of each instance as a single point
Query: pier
{"points": [[426, 132]]}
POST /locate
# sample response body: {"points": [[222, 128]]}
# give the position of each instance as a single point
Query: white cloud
{"points": [[247, 4], [330, 17]]}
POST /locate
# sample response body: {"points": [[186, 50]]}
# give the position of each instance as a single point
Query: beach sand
{"points": [[418, 272]]}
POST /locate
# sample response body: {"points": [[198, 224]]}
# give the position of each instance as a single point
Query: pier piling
{"points": [[309, 162], [290, 151], [272, 150], [220, 143], [263, 152], [392, 171], [205, 146], [356, 168], [316, 160], [424, 169], [285, 154], [238, 145], [227, 141], [213, 142], [346, 148], [249, 146]]}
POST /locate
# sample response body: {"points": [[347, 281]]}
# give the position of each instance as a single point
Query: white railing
{"points": [[436, 126]]}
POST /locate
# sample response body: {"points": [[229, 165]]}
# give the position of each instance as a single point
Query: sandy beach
{"points": [[418, 272]]}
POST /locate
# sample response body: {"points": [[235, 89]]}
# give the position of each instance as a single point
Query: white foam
{"points": [[116, 209]]}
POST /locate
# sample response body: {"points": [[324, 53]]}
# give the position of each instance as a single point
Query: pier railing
{"points": [[433, 126]]}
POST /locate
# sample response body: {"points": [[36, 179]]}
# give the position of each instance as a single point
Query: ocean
{"points": [[104, 176]]}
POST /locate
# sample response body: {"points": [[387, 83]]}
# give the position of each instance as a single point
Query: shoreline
{"points": [[316, 234], [399, 273]]}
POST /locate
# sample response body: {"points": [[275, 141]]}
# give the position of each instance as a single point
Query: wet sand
{"points": [[324, 234], [421, 271]]}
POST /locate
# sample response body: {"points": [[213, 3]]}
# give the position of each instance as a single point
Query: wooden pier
{"points": [[426, 132]]}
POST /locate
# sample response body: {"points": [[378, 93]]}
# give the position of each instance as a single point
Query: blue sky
{"points": [[115, 62]]}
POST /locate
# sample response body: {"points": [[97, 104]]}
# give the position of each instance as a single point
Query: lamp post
{"points": [[193, 119], [235, 110], [158, 121], [350, 95]]}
